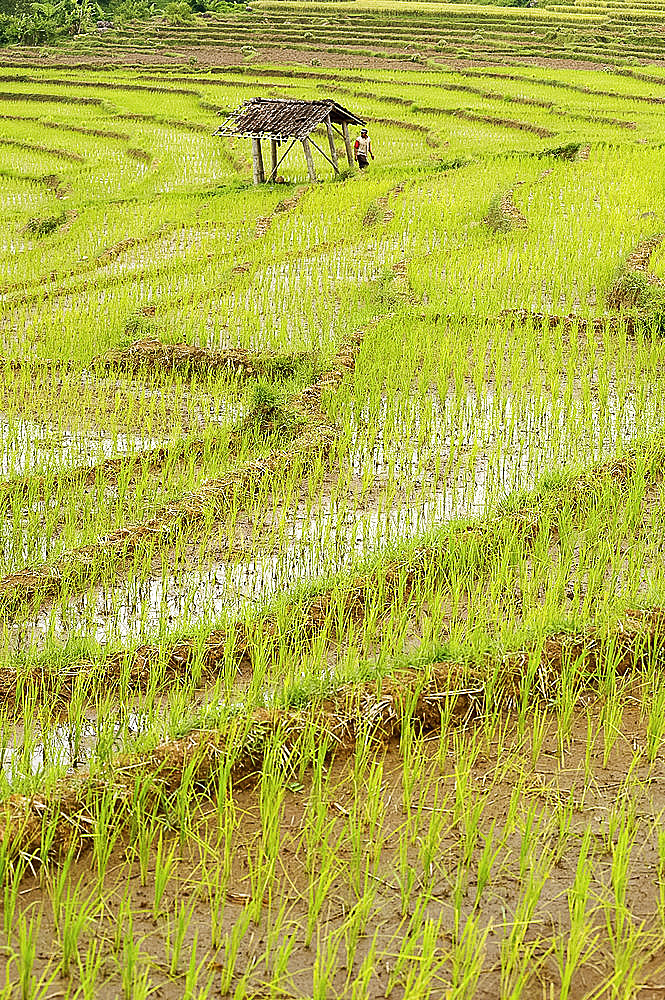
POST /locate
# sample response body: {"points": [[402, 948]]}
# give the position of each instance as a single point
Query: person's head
{"points": [[364, 133]]}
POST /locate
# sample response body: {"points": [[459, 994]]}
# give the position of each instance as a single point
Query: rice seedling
{"points": [[74, 915], [176, 930], [231, 948], [164, 863], [89, 966], [331, 574]]}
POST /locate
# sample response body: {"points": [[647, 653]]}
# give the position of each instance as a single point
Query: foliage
{"points": [[45, 226], [216, 6], [179, 12], [455, 164], [39, 22], [496, 217], [567, 152], [132, 10], [634, 290], [638, 291], [138, 327], [344, 173], [268, 411]]}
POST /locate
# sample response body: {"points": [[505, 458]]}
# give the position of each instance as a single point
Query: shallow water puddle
{"points": [[501, 445], [30, 447], [131, 610], [34, 448], [68, 746]]}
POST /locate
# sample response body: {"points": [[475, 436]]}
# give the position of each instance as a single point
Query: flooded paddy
{"points": [[462, 459], [67, 746], [242, 566], [29, 445]]}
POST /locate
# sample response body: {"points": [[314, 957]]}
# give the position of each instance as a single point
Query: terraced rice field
{"points": [[426, 33], [331, 551]]}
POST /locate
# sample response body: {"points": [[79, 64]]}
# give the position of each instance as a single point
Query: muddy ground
{"points": [[569, 790], [203, 56]]}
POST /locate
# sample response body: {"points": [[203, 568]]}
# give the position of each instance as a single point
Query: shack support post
{"points": [[273, 158], [257, 162], [307, 149], [331, 143], [347, 143]]}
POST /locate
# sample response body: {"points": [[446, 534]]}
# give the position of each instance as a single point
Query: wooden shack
{"points": [[287, 121]]}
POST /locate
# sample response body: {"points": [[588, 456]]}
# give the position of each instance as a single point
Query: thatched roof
{"points": [[283, 118]]}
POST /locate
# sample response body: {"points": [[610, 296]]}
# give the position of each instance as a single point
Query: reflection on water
{"points": [[36, 447], [28, 445], [488, 446], [469, 453], [68, 746]]}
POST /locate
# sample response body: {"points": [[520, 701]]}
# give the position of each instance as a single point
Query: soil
{"points": [[206, 56], [594, 786], [561, 786]]}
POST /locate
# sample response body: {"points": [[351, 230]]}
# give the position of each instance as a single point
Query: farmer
{"points": [[363, 149]]}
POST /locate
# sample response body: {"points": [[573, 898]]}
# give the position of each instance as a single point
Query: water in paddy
{"points": [[30, 447], [40, 447], [462, 456], [67, 746], [26, 445]]}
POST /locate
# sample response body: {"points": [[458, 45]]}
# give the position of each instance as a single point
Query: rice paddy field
{"points": [[332, 580], [614, 33]]}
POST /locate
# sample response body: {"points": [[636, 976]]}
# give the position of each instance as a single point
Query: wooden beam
{"points": [[273, 159], [323, 154], [262, 175], [331, 143], [307, 149], [347, 143], [273, 171], [257, 162]]}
